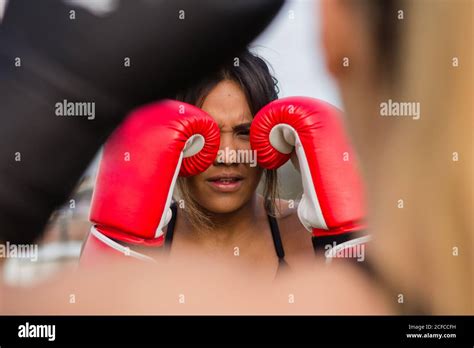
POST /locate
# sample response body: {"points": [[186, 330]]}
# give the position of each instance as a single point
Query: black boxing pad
{"points": [[142, 51]]}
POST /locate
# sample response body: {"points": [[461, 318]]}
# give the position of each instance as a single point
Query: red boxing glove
{"points": [[311, 132], [138, 171]]}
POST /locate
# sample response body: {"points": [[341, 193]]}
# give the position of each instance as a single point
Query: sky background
{"points": [[293, 48]]}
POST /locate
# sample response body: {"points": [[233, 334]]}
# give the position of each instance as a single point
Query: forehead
{"points": [[226, 103]]}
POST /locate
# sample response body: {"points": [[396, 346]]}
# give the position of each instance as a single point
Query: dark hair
{"points": [[249, 71], [252, 74]]}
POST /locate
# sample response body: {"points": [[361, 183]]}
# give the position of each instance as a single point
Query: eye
{"points": [[242, 131], [243, 134]]}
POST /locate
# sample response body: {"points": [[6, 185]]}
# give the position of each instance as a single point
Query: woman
{"points": [[422, 250], [419, 165], [219, 212]]}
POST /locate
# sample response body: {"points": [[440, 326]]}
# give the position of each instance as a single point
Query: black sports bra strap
{"points": [[273, 227], [276, 238], [171, 225]]}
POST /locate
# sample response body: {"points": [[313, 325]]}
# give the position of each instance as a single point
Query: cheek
{"points": [[254, 175], [243, 144], [195, 184]]}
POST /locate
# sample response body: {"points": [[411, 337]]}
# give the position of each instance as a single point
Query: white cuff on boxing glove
{"points": [[285, 139], [118, 247]]}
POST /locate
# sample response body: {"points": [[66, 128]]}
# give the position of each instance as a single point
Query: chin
{"points": [[223, 204]]}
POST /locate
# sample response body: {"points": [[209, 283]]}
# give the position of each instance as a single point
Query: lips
{"points": [[225, 182]]}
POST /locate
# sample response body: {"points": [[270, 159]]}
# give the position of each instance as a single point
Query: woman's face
{"points": [[227, 185]]}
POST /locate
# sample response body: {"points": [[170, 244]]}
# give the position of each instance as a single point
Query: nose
{"points": [[227, 146]]}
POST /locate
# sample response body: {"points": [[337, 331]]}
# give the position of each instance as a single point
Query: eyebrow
{"points": [[239, 127]]}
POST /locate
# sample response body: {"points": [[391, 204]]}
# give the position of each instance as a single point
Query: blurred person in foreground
{"points": [[419, 171], [419, 165]]}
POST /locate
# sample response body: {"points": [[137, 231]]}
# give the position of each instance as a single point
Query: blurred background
{"points": [[291, 45]]}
